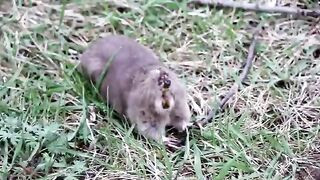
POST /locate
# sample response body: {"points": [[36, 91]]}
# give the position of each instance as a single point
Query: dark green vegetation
{"points": [[52, 123]]}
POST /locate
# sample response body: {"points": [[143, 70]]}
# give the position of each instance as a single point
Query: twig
{"points": [[258, 7], [234, 88]]}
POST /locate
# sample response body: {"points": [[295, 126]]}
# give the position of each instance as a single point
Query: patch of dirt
{"points": [[311, 172]]}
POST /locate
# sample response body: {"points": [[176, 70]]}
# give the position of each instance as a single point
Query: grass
{"points": [[53, 125]]}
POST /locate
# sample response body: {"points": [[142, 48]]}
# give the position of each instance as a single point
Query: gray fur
{"points": [[131, 84]]}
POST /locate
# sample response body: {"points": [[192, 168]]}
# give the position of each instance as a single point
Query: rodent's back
{"points": [[127, 56]]}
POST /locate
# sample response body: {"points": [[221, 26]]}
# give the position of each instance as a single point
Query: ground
{"points": [[53, 124]]}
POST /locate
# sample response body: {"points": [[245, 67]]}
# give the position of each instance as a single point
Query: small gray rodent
{"points": [[137, 85]]}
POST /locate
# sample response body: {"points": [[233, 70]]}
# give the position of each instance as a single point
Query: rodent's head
{"points": [[150, 102], [153, 89], [149, 123]]}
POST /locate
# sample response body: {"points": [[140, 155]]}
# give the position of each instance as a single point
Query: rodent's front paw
{"points": [[171, 142]]}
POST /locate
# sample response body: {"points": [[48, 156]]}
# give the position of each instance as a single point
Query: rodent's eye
{"points": [[177, 117], [143, 113]]}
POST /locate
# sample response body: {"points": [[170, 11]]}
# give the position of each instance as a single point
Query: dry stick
{"points": [[259, 7], [234, 88]]}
